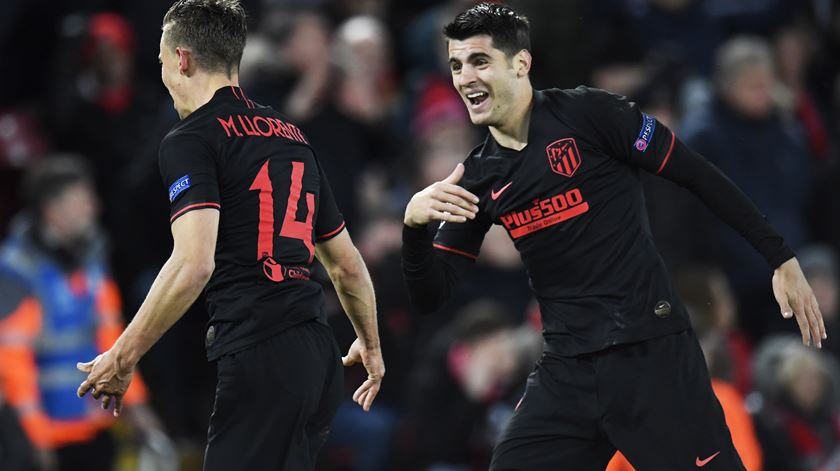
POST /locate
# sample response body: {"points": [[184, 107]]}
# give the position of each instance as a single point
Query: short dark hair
{"points": [[509, 30], [213, 30], [48, 178]]}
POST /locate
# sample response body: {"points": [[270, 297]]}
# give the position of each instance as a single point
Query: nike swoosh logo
{"points": [[700, 463], [494, 195]]}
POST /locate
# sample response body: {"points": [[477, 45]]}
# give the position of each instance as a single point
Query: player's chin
{"points": [[480, 119]]}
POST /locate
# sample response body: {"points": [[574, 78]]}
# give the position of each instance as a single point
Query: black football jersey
{"points": [[258, 169], [572, 203]]}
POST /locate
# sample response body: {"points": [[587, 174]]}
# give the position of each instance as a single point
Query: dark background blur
{"points": [[751, 84]]}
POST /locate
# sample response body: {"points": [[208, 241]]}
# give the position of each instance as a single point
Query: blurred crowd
{"points": [[753, 85]]}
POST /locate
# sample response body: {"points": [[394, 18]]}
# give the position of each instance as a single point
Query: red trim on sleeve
{"points": [[191, 207], [459, 252], [668, 155], [332, 232]]}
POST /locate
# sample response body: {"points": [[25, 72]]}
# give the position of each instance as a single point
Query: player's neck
{"points": [[513, 133], [202, 91]]}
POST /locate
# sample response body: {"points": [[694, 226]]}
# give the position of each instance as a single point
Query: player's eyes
{"points": [[455, 67]]}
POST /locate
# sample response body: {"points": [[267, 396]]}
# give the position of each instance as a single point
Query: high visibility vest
{"points": [[61, 319]]}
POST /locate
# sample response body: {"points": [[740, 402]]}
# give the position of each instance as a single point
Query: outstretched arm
{"points": [[638, 139], [352, 283], [177, 286], [729, 203]]}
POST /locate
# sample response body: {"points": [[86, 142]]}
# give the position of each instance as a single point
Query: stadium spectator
{"points": [[58, 305], [714, 308], [793, 49], [681, 27], [795, 406], [465, 369], [743, 132]]}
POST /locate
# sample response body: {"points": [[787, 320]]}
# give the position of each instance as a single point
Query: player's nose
{"points": [[466, 77]]}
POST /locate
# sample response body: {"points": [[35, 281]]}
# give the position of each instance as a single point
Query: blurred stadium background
{"points": [[751, 84]]}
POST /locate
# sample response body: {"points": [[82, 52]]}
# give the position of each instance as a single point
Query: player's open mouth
{"points": [[477, 98]]}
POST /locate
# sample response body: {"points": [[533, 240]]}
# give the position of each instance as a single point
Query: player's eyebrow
{"points": [[478, 55], [472, 57]]}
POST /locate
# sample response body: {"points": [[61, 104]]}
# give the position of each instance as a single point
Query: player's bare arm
{"points": [[442, 201], [177, 286], [352, 283]]}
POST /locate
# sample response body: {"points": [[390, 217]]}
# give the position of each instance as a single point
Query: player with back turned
{"points": [[559, 169], [250, 209]]}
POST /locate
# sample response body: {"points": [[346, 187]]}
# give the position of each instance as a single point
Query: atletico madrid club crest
{"points": [[563, 156]]}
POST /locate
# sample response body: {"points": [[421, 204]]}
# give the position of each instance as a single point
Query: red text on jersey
{"points": [[545, 213]]}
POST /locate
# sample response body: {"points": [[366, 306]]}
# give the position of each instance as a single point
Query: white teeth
{"points": [[475, 95]]}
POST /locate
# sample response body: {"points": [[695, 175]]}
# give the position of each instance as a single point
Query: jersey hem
{"points": [[241, 344]]}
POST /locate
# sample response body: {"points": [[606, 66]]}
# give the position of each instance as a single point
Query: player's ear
{"points": [[522, 62], [184, 61]]}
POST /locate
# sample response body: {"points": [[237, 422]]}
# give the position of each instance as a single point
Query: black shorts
{"points": [[652, 400], [275, 401]]}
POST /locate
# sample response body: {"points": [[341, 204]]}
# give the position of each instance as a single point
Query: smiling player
{"points": [[622, 368]]}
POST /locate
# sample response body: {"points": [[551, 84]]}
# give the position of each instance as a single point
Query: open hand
{"points": [[106, 379], [796, 299], [442, 201], [372, 360]]}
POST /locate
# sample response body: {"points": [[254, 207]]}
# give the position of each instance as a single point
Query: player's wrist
{"points": [[413, 225], [413, 222], [370, 345], [125, 356]]}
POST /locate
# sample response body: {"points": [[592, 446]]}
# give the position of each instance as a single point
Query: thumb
{"points": [[787, 312], [456, 175], [348, 360], [85, 367]]}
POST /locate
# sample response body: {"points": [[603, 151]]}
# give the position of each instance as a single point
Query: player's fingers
{"points": [[118, 404], [106, 401], [360, 400], [452, 209], [436, 215], [457, 200], [823, 333], [456, 174], [85, 367], [348, 360], [359, 391], [814, 324], [787, 312], [458, 191], [83, 388], [371, 395], [801, 319]]}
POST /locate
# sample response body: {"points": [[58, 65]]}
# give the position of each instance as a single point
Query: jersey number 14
{"points": [[291, 227]]}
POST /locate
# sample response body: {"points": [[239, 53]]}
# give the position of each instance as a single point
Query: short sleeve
{"points": [[330, 221], [627, 133], [188, 169], [463, 238]]}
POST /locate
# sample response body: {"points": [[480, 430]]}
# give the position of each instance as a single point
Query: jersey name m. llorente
{"points": [[572, 203], [259, 170]]}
